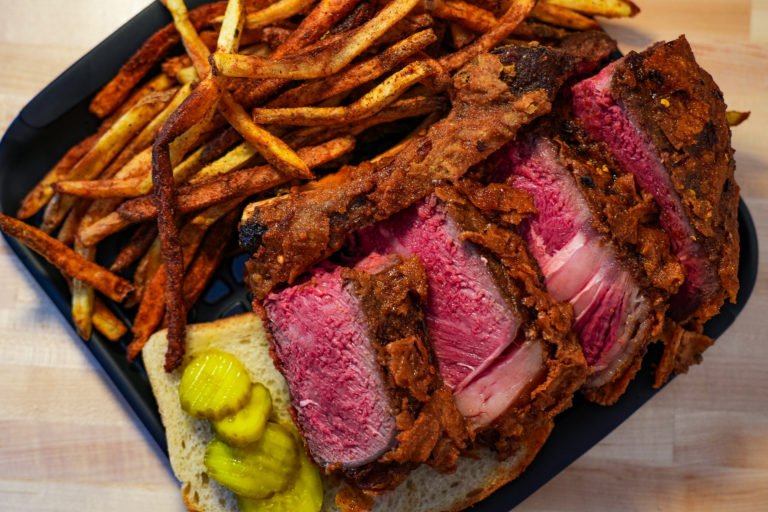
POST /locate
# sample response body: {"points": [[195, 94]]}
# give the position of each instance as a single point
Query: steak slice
{"points": [[494, 96], [500, 341], [615, 318], [364, 386], [663, 119]]}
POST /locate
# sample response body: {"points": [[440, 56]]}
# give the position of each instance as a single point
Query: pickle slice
{"points": [[257, 470], [305, 495], [247, 425], [214, 385]]}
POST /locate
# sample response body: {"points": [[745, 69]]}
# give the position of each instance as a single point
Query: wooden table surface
{"points": [[68, 442]]}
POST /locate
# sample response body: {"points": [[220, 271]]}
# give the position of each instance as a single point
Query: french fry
{"points": [[278, 11], [108, 146], [42, 193], [605, 8], [381, 96], [151, 308], [71, 223], [735, 118], [138, 245], [231, 161], [328, 60], [231, 27], [272, 148], [66, 260], [208, 259], [140, 166], [313, 92], [563, 17], [83, 297], [153, 50], [146, 269], [467, 15], [106, 322], [514, 15]]}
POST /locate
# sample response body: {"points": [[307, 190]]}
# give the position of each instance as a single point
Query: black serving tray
{"points": [[58, 117]]}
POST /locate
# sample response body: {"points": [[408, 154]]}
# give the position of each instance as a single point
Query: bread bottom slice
{"points": [[425, 490]]}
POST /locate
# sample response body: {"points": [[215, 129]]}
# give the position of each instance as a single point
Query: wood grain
{"points": [[68, 442]]}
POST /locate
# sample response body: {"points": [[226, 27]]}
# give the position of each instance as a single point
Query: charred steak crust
{"points": [[694, 141], [494, 95], [674, 122], [429, 429], [526, 422]]}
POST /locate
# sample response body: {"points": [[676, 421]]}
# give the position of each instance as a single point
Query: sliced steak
{"points": [[500, 341], [614, 318], [663, 119], [493, 97], [364, 386]]}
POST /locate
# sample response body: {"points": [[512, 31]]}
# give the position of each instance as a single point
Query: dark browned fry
{"points": [[66, 260], [42, 193], [150, 313], [313, 92], [208, 259], [500, 31], [151, 52], [199, 104], [466, 14], [139, 243], [71, 224]]}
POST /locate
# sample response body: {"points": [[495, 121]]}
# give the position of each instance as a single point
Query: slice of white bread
{"points": [[243, 336]]}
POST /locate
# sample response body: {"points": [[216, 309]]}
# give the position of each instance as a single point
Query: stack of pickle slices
{"points": [[261, 461]]}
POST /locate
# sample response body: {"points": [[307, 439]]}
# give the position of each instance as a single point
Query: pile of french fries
{"points": [[263, 95]]}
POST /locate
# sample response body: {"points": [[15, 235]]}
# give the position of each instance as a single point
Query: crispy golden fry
{"points": [[39, 196], [157, 84], [274, 150], [65, 259], [153, 50], [234, 159], [139, 244], [139, 167], [319, 90], [467, 15], [231, 27], [563, 17], [381, 96], [83, 297], [605, 8], [106, 322], [516, 13], [187, 75], [196, 48], [735, 118], [278, 11], [326, 61], [108, 146], [144, 139]]}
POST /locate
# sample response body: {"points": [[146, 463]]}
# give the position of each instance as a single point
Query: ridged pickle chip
{"points": [[214, 385], [257, 470], [247, 425], [305, 495]]}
